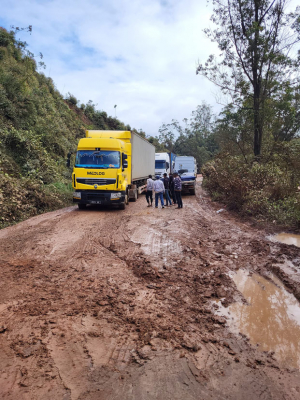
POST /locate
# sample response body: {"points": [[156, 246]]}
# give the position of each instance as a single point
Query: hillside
{"points": [[38, 128]]}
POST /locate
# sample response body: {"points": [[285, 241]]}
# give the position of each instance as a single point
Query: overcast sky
{"points": [[138, 54]]}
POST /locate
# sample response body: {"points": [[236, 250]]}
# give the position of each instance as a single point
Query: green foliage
{"points": [[72, 99], [257, 171], [195, 138], [257, 66], [159, 147], [23, 197], [265, 190]]}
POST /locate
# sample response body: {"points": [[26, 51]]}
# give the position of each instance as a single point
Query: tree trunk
{"points": [[256, 87], [257, 127]]}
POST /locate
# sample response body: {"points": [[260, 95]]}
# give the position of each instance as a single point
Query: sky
{"points": [[140, 55]]}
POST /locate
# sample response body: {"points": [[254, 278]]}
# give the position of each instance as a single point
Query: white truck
{"points": [[186, 167], [164, 163]]}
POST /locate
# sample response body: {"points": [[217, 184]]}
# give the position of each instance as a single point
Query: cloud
{"points": [[137, 54]]}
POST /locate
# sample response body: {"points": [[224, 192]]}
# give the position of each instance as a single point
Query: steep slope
{"points": [[38, 128]]}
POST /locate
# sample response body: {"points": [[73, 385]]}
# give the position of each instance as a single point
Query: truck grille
{"points": [[96, 196], [96, 181]]}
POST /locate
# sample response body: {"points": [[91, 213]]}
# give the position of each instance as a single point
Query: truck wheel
{"points": [[192, 191], [82, 206], [122, 206], [135, 195]]}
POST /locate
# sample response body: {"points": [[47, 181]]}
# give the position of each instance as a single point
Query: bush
{"points": [[72, 99], [23, 198], [264, 190]]}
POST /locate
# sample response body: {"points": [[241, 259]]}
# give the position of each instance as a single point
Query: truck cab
{"points": [[111, 167], [162, 164], [102, 170], [186, 167]]}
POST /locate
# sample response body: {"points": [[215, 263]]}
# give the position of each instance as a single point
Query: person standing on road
{"points": [[159, 189], [171, 186], [166, 182], [149, 197], [177, 189]]}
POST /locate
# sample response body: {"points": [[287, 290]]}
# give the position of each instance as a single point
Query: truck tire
{"points": [[122, 206], [82, 206], [135, 195], [193, 191]]}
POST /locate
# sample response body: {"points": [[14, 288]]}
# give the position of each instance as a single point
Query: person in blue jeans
{"points": [[159, 189], [166, 182]]}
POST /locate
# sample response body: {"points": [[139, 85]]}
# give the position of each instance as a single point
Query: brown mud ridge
{"points": [[108, 304]]}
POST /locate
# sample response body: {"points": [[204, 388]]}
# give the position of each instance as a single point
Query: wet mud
{"points": [[288, 238], [110, 304], [270, 318]]}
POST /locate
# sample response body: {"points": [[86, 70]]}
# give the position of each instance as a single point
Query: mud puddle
{"points": [[271, 319], [288, 238]]}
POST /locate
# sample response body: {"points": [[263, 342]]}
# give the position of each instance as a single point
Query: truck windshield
{"points": [[187, 167], [97, 159], [160, 164]]}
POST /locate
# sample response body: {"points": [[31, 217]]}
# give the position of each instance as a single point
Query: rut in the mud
{"points": [[109, 304]]}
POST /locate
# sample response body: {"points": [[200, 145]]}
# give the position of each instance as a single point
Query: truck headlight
{"points": [[77, 195], [115, 195]]}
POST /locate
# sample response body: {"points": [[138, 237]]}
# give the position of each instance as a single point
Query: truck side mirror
{"points": [[124, 161]]}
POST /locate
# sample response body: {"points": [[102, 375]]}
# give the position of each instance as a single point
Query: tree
{"points": [[166, 135], [194, 138], [256, 39], [233, 131], [159, 148]]}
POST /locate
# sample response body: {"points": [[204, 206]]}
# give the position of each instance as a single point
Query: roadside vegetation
{"points": [[250, 153], [257, 171]]}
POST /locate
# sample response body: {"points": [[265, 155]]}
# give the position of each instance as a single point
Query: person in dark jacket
{"points": [[166, 182], [171, 185], [177, 189]]}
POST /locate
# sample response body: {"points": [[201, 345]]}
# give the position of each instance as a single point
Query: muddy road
{"points": [[139, 305]]}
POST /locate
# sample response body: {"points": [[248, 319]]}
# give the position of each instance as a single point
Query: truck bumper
{"points": [[188, 185], [98, 197]]}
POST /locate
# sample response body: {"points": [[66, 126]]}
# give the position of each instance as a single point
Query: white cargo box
{"points": [[143, 158]]}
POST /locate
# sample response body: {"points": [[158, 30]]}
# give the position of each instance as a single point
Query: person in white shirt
{"points": [[159, 190], [149, 197]]}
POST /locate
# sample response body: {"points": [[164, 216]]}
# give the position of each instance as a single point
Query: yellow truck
{"points": [[111, 167]]}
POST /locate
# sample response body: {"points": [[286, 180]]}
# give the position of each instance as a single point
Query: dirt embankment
{"points": [[109, 304]]}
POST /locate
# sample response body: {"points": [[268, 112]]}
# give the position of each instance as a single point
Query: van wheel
{"points": [[82, 206]]}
